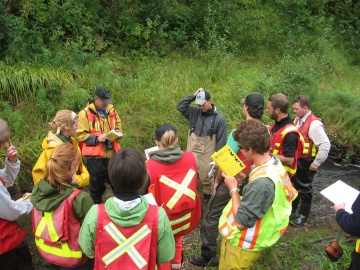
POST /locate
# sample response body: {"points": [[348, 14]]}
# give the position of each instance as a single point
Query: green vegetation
{"points": [[152, 53]]}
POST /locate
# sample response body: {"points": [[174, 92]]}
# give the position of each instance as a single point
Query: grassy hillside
{"points": [[145, 92]]}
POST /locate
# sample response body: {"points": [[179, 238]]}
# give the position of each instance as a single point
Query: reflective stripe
{"points": [[181, 189], [63, 250], [126, 245], [250, 235], [46, 220], [183, 228], [180, 220], [357, 247]]}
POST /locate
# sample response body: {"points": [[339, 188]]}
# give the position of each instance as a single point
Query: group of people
{"points": [[156, 202]]}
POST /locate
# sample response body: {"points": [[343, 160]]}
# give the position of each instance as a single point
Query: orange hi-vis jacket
{"points": [[96, 129], [56, 234], [276, 145], [174, 188], [126, 248], [310, 149]]}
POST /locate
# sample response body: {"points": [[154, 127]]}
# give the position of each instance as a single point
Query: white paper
{"points": [[340, 192], [147, 151]]}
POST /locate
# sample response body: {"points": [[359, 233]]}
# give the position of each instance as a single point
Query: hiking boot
{"points": [[299, 220], [199, 260]]}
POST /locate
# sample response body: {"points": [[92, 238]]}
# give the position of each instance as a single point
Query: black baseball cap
{"points": [[162, 129], [103, 93], [253, 100]]}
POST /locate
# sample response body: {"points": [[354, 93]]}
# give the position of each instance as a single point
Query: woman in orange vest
{"points": [[173, 177], [59, 210]]}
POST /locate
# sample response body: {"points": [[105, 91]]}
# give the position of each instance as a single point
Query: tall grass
{"points": [[145, 92]]}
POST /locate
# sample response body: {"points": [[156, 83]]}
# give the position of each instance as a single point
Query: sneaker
{"points": [[298, 221], [199, 260]]}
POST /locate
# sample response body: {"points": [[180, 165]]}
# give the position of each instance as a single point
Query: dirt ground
{"points": [[322, 215]]}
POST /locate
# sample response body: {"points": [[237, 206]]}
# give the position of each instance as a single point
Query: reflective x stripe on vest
{"points": [[126, 245], [181, 189]]}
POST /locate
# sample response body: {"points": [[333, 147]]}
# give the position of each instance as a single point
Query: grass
{"points": [[145, 92]]}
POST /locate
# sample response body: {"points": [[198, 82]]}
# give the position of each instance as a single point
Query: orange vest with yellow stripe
{"points": [[276, 145], [96, 129], [310, 149], [126, 247], [174, 188], [57, 232]]}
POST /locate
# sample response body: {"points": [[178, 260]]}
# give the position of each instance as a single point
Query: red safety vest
{"points": [[174, 188], [96, 129], [276, 145], [11, 234], [57, 232], [310, 149], [126, 248]]}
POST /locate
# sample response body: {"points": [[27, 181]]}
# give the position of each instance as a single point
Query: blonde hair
{"points": [[64, 120], [59, 164], [169, 139]]}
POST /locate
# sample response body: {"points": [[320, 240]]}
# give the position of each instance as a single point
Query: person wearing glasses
{"points": [[207, 133], [95, 121]]}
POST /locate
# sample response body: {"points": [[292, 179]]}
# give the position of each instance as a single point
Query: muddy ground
{"points": [[322, 216]]}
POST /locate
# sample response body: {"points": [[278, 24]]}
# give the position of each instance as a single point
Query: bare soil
{"points": [[322, 217]]}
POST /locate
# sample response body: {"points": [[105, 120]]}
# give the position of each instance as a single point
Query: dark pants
{"points": [[98, 170], [302, 181], [209, 229], [17, 259]]}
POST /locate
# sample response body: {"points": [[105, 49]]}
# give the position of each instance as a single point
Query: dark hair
{"points": [[256, 113], [127, 171], [303, 100], [252, 133], [279, 101]]}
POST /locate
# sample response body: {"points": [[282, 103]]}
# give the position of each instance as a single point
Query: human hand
{"points": [[73, 179], [313, 167], [215, 188], [197, 91], [339, 206], [230, 182], [11, 152], [102, 138], [240, 178]]}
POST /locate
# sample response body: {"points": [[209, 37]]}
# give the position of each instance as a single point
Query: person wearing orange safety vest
{"points": [[256, 220], [316, 149], [350, 223], [127, 232], [59, 210], [95, 122], [286, 142], [253, 108], [14, 252], [173, 177]]}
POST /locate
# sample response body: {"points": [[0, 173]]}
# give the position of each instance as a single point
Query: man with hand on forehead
{"points": [[207, 133]]}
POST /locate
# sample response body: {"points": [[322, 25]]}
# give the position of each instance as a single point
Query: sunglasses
{"points": [[240, 147]]}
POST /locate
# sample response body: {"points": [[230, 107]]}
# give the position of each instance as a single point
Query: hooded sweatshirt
{"points": [[128, 217], [48, 145], [46, 198]]}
